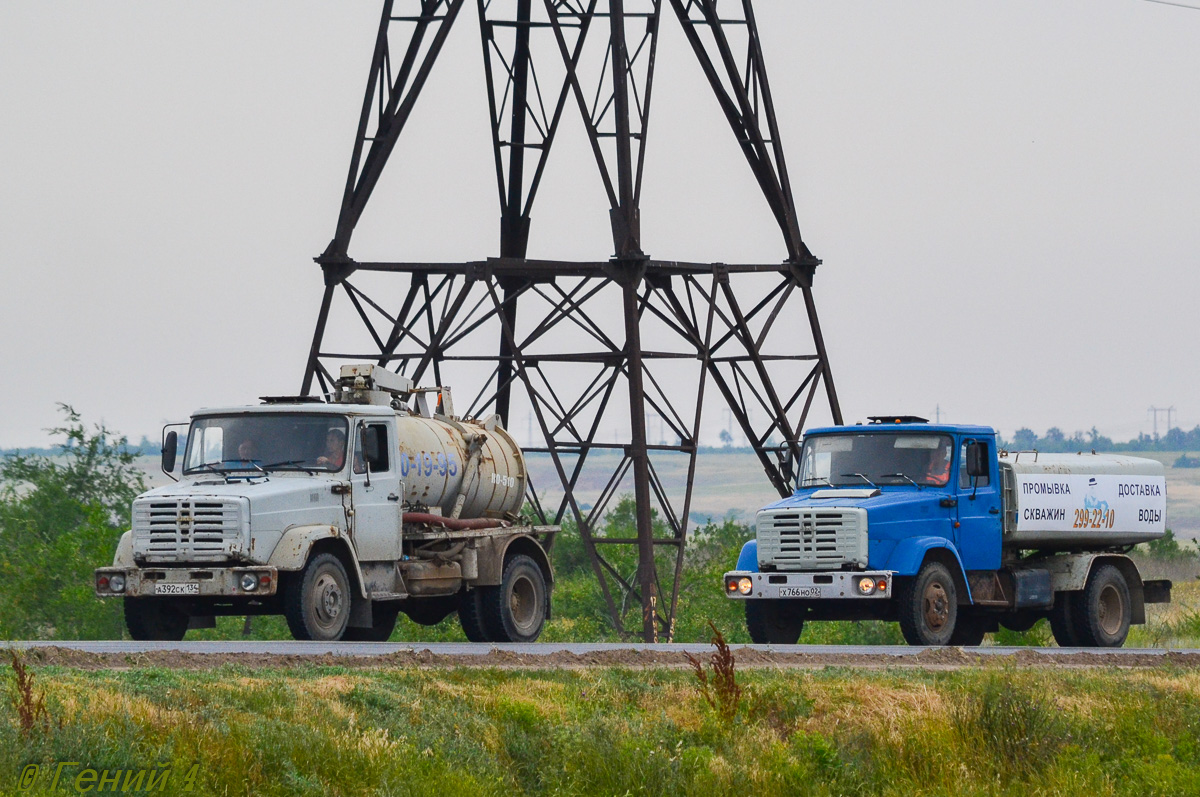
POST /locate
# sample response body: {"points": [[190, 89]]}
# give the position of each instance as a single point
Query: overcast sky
{"points": [[1005, 196]]}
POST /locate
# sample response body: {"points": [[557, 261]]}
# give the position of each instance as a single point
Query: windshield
{"points": [[864, 460], [265, 441]]}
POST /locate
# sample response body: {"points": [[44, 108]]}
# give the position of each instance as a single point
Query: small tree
{"points": [[60, 517]]}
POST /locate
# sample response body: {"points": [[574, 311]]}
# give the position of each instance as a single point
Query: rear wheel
{"points": [[316, 603], [154, 620], [1104, 609], [928, 606], [516, 610], [383, 623], [1020, 621], [470, 615], [969, 630], [1064, 620], [430, 611], [770, 623]]}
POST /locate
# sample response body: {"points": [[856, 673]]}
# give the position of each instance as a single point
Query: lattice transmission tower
{"points": [[567, 336]]}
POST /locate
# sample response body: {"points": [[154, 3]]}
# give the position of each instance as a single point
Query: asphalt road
{"points": [[289, 648]]}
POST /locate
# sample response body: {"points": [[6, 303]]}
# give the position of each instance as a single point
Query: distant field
{"points": [[732, 485]]}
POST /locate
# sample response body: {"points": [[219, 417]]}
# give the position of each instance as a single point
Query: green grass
{"points": [[392, 732]]}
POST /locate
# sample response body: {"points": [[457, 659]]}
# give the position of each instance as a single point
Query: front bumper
{"points": [[191, 582], [809, 586]]}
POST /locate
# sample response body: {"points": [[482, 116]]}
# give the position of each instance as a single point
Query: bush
{"points": [[1168, 548], [60, 517], [1020, 732]]}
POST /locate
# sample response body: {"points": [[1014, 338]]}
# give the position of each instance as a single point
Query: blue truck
{"points": [[933, 527]]}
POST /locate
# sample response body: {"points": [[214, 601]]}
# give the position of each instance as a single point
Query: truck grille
{"points": [[821, 539], [187, 529]]}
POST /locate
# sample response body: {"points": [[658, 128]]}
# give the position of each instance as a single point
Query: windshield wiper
{"points": [[864, 478], [815, 480], [901, 476], [297, 463], [211, 467]]}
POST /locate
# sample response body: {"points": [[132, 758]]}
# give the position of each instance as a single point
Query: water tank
{"points": [[1070, 501]]}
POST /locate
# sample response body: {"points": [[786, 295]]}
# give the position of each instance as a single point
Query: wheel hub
{"points": [[1110, 611], [329, 599], [936, 607], [522, 602]]}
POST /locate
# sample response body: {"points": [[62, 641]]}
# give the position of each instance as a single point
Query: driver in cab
{"points": [[335, 450], [937, 473]]}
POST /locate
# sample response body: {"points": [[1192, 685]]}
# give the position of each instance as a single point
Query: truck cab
{"points": [[905, 520]]}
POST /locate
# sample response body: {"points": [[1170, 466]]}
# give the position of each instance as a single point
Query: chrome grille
{"points": [[187, 529], [798, 539]]}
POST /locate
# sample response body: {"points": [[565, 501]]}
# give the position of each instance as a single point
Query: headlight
{"points": [[249, 582], [745, 585], [116, 582], [866, 585]]}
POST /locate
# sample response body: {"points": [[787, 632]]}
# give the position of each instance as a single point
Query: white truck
{"points": [[338, 516]]}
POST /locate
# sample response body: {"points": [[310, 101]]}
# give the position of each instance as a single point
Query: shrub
{"points": [[1019, 731], [61, 517]]}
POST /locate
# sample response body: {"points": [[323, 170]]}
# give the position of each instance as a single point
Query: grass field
{"points": [[330, 731]]}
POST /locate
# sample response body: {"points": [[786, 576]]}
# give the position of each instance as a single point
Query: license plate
{"points": [[177, 589], [799, 592]]}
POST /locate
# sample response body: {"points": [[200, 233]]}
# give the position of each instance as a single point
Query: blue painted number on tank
{"points": [[443, 464]]}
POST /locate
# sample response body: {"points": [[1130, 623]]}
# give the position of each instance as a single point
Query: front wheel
{"points": [[516, 610], [154, 620], [316, 603], [770, 623], [928, 606]]}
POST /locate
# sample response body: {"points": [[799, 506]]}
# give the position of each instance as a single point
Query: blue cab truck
{"points": [[929, 525]]}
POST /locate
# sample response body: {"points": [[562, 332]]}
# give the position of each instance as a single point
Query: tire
{"points": [[1104, 609], [1020, 621], [769, 623], [316, 603], [383, 623], [928, 606], [430, 611], [969, 630], [516, 610], [153, 620], [470, 616], [1064, 620]]}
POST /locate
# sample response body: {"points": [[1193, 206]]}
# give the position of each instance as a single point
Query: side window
{"points": [[384, 464], [964, 481]]}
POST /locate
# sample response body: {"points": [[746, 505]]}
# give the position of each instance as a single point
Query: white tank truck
{"points": [[338, 516]]}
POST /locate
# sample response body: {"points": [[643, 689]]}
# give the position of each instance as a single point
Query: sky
{"points": [[1005, 197]]}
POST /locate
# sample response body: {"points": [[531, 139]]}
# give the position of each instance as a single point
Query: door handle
{"points": [[993, 511], [949, 503], [393, 497]]}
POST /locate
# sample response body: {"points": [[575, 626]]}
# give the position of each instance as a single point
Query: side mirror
{"points": [[170, 443], [373, 447], [977, 460]]}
